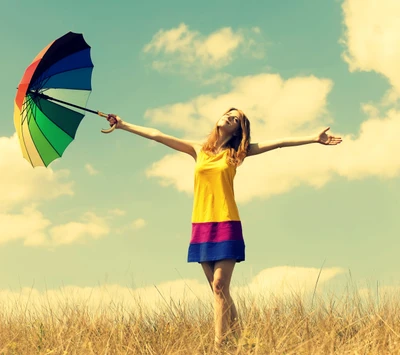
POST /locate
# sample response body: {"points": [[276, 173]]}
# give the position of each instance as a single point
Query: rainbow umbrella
{"points": [[51, 99]]}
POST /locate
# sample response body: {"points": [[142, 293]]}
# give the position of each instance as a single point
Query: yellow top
{"points": [[214, 198]]}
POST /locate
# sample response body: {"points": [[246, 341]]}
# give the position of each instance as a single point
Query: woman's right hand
{"points": [[114, 120]]}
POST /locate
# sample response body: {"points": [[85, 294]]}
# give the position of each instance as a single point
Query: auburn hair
{"points": [[238, 145]]}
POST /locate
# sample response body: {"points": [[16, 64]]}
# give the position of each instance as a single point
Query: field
{"points": [[277, 325]]}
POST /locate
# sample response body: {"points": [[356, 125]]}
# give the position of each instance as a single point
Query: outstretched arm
{"points": [[188, 147], [322, 138]]}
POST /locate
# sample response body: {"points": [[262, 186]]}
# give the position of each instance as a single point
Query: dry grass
{"points": [[277, 326]]}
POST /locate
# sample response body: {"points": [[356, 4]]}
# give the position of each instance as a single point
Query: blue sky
{"points": [[116, 208]]}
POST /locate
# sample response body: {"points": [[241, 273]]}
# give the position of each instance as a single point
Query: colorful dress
{"points": [[216, 227]]}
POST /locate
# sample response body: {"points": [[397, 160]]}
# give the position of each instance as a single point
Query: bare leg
{"points": [[235, 326], [223, 270], [208, 268]]}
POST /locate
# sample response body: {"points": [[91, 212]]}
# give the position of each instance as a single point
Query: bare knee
{"points": [[220, 288]]}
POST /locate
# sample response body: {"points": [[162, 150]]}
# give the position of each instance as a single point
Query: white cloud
{"points": [[184, 51], [139, 223], [391, 98], [91, 170], [22, 189], [174, 169], [284, 280], [117, 212], [375, 151], [34, 229], [216, 78], [372, 36], [20, 183], [92, 227], [278, 281], [214, 50], [29, 226]]}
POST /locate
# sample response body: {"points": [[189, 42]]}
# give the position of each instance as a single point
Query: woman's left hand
{"points": [[326, 139]]}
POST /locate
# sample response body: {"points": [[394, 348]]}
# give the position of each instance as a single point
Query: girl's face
{"points": [[229, 122]]}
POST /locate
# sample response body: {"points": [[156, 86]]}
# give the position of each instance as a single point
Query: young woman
{"points": [[217, 241]]}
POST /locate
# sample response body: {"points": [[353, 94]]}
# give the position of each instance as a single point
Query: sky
{"points": [[115, 210]]}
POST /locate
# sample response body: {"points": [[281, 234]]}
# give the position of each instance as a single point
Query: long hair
{"points": [[238, 145]]}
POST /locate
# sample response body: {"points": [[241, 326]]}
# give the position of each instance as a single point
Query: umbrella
{"points": [[51, 99]]}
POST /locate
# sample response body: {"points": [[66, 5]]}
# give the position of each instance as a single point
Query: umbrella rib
{"points": [[76, 89], [27, 152], [28, 105], [22, 134], [40, 78], [24, 107], [63, 88], [37, 107], [42, 81], [82, 108], [33, 107]]}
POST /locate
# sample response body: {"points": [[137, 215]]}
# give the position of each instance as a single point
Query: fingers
{"points": [[112, 119], [333, 140], [326, 129]]}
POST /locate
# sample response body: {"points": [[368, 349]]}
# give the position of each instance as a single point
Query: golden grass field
{"points": [[280, 325]]}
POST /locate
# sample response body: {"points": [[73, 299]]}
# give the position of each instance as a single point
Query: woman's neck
{"points": [[221, 142]]}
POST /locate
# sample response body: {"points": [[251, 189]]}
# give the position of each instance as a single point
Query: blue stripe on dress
{"points": [[232, 249]]}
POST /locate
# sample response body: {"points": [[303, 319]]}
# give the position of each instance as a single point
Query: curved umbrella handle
{"points": [[109, 130]]}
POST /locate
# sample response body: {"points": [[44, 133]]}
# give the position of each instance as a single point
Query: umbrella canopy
{"points": [[45, 122]]}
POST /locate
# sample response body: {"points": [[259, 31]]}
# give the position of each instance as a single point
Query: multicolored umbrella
{"points": [[51, 99]]}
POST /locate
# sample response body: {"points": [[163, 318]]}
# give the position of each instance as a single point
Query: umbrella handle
{"points": [[109, 130]]}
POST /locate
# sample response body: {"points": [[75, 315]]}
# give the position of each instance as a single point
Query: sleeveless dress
{"points": [[216, 227]]}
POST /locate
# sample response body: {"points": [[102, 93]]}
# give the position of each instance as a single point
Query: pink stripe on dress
{"points": [[214, 232]]}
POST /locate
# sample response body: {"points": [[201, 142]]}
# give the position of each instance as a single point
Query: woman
{"points": [[217, 240]]}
